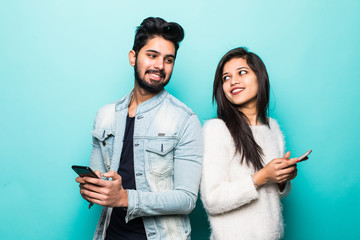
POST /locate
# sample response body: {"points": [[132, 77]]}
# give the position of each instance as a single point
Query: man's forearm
{"points": [[159, 203]]}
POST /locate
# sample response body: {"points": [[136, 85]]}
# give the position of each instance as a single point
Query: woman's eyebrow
{"points": [[239, 68], [242, 68]]}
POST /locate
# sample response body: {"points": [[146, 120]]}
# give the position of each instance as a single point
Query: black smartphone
{"points": [[303, 157], [84, 171]]}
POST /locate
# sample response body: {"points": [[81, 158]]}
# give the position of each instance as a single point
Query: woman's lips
{"points": [[236, 91]]}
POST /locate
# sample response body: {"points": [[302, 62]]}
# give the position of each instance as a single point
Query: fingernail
{"points": [[297, 161]]}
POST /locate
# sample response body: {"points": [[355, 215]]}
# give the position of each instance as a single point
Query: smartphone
{"points": [[302, 157], [84, 171]]}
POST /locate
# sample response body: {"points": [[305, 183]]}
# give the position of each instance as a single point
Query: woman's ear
{"points": [[132, 57]]}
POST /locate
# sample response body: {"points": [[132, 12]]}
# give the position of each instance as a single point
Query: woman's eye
{"points": [[226, 78], [242, 72]]}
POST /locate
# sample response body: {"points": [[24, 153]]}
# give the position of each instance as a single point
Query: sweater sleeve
{"points": [[281, 142], [279, 135], [219, 193], [286, 190]]}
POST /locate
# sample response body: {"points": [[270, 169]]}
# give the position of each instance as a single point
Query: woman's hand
{"points": [[279, 170]]}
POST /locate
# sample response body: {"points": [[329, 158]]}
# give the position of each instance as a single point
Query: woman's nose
{"points": [[235, 80]]}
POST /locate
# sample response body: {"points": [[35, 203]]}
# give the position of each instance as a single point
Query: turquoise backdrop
{"points": [[62, 60]]}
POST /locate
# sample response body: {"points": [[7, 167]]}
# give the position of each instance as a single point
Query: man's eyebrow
{"points": [[157, 52], [153, 51], [170, 55]]}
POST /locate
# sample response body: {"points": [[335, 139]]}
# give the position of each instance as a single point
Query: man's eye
{"points": [[170, 61], [152, 56], [226, 78], [242, 72]]}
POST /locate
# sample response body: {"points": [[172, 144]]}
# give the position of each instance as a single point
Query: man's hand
{"points": [[102, 192]]}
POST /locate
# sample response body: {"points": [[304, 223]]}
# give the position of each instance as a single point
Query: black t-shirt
{"points": [[118, 228]]}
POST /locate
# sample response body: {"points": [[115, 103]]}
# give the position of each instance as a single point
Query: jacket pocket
{"points": [[161, 156], [105, 138]]}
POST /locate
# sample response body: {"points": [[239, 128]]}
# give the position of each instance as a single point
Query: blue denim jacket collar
{"points": [[144, 106]]}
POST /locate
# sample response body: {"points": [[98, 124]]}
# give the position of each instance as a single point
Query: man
{"points": [[148, 147]]}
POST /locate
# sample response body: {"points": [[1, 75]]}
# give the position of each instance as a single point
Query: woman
{"points": [[245, 171]]}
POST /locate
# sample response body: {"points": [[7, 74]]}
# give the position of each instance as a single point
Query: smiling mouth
{"points": [[237, 91], [155, 75]]}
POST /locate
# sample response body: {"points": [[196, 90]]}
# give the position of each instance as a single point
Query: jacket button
{"points": [[140, 117]]}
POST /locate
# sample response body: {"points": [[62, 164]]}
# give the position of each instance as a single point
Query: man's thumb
{"points": [[112, 174], [98, 173]]}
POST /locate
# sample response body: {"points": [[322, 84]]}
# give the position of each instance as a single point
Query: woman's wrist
{"points": [[260, 178], [254, 182]]}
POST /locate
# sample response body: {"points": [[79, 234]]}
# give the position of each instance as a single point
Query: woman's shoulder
{"points": [[274, 126], [216, 135], [273, 123], [214, 124], [215, 127]]}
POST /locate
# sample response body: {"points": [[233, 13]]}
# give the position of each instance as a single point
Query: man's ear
{"points": [[132, 57]]}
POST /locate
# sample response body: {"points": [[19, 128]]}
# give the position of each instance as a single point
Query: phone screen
{"points": [[302, 157], [84, 171]]}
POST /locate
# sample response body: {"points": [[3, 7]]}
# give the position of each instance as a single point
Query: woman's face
{"points": [[240, 83]]}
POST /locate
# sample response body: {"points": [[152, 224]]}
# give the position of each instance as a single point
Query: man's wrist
{"points": [[124, 199]]}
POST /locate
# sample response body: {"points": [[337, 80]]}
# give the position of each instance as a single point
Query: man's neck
{"points": [[139, 96]]}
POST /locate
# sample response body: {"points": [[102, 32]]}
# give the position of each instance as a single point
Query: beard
{"points": [[149, 86]]}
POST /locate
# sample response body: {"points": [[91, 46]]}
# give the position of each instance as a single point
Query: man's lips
{"points": [[155, 75], [237, 90]]}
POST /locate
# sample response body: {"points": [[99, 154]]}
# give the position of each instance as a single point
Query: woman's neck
{"points": [[250, 111]]}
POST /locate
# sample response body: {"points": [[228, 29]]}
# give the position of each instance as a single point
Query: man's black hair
{"points": [[152, 27]]}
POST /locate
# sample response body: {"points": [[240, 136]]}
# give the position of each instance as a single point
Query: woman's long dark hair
{"points": [[235, 120]]}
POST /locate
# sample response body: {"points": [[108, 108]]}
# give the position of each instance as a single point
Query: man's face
{"points": [[154, 64]]}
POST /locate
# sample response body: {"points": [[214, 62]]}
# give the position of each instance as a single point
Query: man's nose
{"points": [[159, 63]]}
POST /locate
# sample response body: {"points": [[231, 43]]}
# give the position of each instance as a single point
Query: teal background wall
{"points": [[62, 60]]}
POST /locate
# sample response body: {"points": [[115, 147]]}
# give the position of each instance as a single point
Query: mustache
{"points": [[159, 72]]}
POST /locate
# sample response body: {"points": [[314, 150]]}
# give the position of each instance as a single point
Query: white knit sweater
{"points": [[236, 210]]}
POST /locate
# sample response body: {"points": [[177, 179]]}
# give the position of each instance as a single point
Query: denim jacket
{"points": [[168, 152]]}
